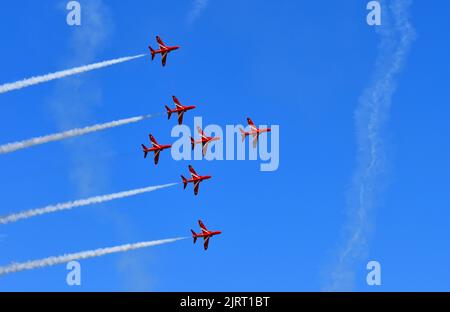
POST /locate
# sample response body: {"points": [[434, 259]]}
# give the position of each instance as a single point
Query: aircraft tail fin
{"points": [[169, 112], [192, 143], [194, 236], [243, 134], [152, 52], [185, 182], [144, 148]]}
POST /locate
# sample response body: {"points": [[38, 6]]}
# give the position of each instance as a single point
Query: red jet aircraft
{"points": [[179, 109], [195, 178], [205, 234], [254, 131], [157, 148], [163, 50], [204, 140]]}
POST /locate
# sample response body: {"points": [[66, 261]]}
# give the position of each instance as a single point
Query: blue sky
{"points": [[302, 65]]}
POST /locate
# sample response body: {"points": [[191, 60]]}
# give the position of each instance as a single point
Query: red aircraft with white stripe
{"points": [[163, 50], [254, 132], [195, 178], [179, 109], [156, 147], [204, 140], [206, 234]]}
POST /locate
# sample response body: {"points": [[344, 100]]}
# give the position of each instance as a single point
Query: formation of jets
{"points": [[204, 141]]}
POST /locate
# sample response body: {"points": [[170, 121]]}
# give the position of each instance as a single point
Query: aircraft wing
{"points": [[180, 117], [154, 143], [196, 186], [192, 171], [251, 124], [160, 43], [177, 102], [164, 58], [202, 226], [157, 156], [205, 148], [200, 131], [206, 243], [255, 140]]}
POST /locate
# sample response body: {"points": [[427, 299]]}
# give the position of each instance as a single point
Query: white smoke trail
{"points": [[79, 203], [12, 147], [34, 264], [8, 87], [372, 111], [197, 10]]}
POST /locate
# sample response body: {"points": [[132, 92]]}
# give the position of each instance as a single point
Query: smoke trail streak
{"points": [[8, 87], [372, 111], [197, 10], [51, 261], [79, 203], [12, 147]]}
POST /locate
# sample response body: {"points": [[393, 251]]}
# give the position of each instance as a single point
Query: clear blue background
{"points": [[300, 64]]}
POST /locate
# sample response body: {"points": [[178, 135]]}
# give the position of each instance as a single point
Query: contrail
{"points": [[51, 261], [79, 203], [374, 106], [197, 9], [12, 147], [8, 87]]}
